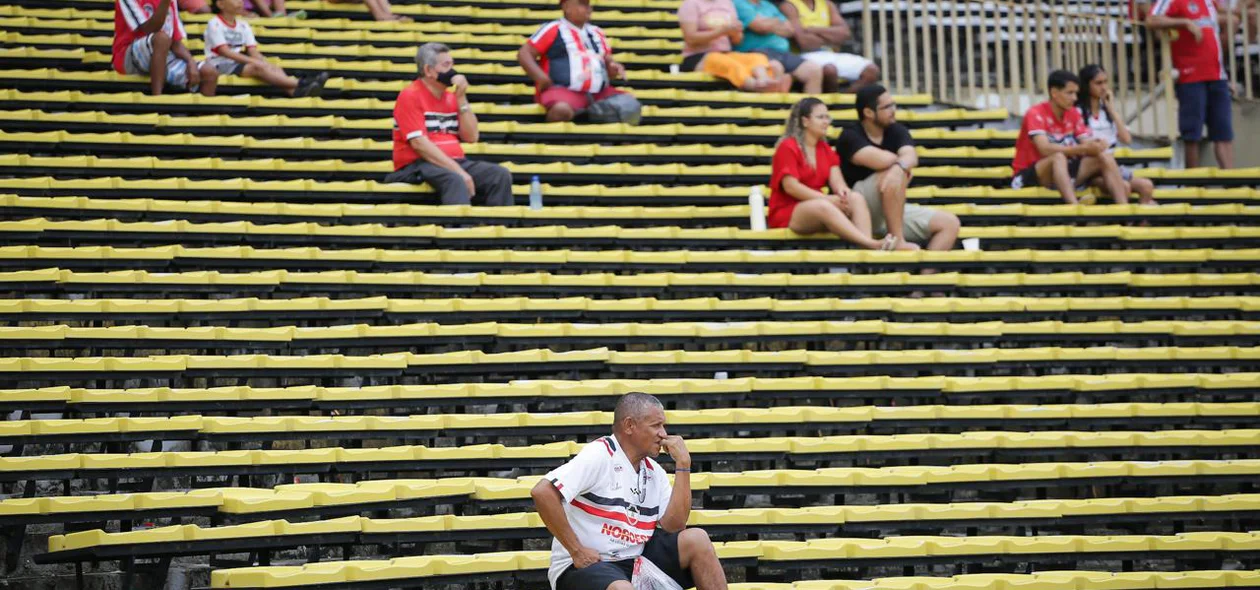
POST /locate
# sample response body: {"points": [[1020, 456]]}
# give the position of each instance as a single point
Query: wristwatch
{"points": [[465, 108]]}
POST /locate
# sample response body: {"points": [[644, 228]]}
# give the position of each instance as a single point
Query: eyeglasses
{"points": [[888, 107]]}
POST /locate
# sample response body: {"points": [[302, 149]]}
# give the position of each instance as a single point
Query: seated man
{"points": [[149, 39], [819, 32], [1055, 149], [612, 504], [570, 62], [877, 158], [430, 121], [767, 31]]}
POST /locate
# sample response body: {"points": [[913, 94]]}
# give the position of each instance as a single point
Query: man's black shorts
{"points": [[661, 550], [1027, 178]]}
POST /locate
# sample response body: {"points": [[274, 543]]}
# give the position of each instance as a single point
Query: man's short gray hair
{"points": [[428, 54], [634, 405]]}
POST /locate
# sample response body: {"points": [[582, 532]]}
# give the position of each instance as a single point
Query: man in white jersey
{"points": [[612, 503]]}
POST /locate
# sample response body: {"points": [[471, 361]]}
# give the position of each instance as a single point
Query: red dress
{"points": [[789, 160]]}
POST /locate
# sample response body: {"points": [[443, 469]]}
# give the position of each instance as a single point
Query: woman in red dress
{"points": [[803, 164]]}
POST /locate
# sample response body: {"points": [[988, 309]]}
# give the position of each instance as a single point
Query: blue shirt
{"points": [[748, 12]]}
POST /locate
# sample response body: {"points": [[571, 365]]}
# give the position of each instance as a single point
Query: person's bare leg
{"points": [[944, 227], [870, 75], [264, 7], [810, 75], [620, 585], [1224, 151], [157, 63], [273, 75], [379, 9], [831, 79], [1192, 153], [892, 195], [1104, 167], [1052, 172], [816, 215], [209, 80], [1144, 188], [561, 111], [697, 555]]}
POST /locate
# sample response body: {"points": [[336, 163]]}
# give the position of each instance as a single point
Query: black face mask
{"points": [[446, 77]]}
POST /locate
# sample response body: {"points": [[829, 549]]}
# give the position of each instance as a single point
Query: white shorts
{"points": [[224, 65], [140, 55], [848, 65]]}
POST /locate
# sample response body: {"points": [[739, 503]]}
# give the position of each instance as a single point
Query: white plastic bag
{"points": [[649, 577]]}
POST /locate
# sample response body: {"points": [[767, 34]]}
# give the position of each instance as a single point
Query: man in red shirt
{"points": [[1055, 150], [430, 121], [570, 62], [149, 39], [1202, 83]]}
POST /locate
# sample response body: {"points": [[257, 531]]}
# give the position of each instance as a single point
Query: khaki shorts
{"points": [[916, 220]]}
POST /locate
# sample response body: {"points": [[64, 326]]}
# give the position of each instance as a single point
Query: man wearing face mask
{"points": [[431, 117]]}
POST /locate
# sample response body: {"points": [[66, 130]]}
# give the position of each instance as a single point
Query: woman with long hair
{"points": [[1094, 102], [803, 165]]}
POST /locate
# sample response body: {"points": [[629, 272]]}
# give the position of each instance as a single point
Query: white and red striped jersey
{"points": [[612, 507], [573, 56]]}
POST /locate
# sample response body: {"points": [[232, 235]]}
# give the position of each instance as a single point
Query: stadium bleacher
{"points": [[230, 349]]}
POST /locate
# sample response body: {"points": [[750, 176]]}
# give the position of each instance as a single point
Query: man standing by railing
{"points": [[1202, 83]]}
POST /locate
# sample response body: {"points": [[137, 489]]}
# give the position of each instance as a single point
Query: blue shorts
{"points": [[1205, 102]]}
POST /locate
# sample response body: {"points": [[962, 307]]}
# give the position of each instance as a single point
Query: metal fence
{"points": [[996, 54]]}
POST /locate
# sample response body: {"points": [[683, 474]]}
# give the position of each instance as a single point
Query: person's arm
{"points": [[468, 132], [431, 153], [528, 57], [1122, 130], [875, 158], [236, 56], [550, 506], [694, 38], [907, 157], [835, 180], [679, 508], [838, 33], [806, 39], [767, 25], [1045, 147], [1167, 14]]}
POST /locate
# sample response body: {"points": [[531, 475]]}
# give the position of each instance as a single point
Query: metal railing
{"points": [[997, 54]]}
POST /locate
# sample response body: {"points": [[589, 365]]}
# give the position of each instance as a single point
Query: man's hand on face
{"points": [[677, 449]]}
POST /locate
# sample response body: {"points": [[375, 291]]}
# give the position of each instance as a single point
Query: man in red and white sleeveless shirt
{"points": [[612, 504], [570, 62]]}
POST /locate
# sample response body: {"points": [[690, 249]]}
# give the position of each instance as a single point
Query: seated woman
{"points": [[1106, 124], [710, 27], [803, 164]]}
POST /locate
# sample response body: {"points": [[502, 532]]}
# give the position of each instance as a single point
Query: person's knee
{"points": [[160, 41], [808, 72], [208, 73], [870, 74], [561, 111], [947, 222], [829, 72], [695, 540], [621, 585]]}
